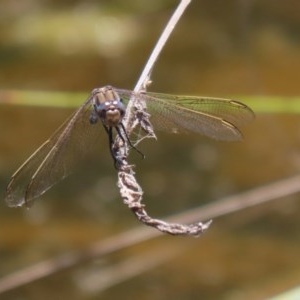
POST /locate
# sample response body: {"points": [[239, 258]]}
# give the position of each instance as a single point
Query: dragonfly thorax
{"points": [[109, 107]]}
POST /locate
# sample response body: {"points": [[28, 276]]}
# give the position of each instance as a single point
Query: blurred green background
{"points": [[244, 49]]}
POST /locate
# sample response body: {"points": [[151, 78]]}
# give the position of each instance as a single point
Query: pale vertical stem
{"points": [[130, 190], [146, 73], [145, 76]]}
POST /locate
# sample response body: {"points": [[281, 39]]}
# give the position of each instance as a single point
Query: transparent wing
{"points": [[214, 117], [55, 159]]}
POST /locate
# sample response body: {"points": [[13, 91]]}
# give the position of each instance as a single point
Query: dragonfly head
{"points": [[109, 107]]}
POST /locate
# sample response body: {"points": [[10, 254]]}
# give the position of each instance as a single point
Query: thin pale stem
{"points": [[145, 77], [146, 74], [136, 114]]}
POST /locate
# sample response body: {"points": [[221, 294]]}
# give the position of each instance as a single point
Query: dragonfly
{"points": [[106, 107]]}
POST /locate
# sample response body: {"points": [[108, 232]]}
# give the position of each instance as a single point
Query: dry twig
{"points": [[136, 114]]}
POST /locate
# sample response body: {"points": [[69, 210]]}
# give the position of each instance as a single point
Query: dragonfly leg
{"points": [[113, 152], [128, 139]]}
